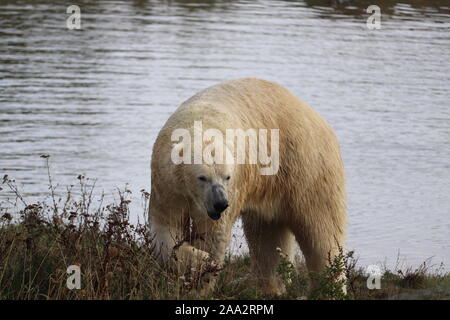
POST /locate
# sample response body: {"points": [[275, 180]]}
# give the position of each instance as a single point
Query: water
{"points": [[94, 99]]}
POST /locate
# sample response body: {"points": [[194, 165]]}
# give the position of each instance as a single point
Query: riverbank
{"points": [[39, 241]]}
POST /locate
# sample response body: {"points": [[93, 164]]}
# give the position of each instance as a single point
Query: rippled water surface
{"points": [[94, 99]]}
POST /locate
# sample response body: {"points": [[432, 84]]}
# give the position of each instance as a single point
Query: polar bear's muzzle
{"points": [[217, 202]]}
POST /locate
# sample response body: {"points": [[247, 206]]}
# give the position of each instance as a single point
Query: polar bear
{"points": [[195, 201]]}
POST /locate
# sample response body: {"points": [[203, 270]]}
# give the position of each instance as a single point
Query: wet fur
{"points": [[303, 203]]}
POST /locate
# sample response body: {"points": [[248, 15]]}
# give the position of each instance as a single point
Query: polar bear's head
{"points": [[208, 186]]}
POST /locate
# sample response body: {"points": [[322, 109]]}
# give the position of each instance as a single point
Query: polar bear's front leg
{"points": [[188, 257], [170, 248], [202, 256], [164, 240], [213, 237]]}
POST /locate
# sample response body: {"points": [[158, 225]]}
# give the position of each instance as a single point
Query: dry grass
{"points": [[40, 240]]}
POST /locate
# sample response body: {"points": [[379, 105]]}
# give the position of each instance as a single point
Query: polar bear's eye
{"points": [[202, 178], [227, 178]]}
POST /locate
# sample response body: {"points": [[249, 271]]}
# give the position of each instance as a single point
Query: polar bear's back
{"points": [[250, 101]]}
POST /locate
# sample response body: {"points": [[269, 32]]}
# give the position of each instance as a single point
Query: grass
{"points": [[39, 241]]}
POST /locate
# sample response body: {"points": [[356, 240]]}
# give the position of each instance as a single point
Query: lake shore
{"points": [[40, 241]]}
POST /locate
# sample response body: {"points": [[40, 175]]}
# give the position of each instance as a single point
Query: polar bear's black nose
{"points": [[220, 206], [219, 197]]}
